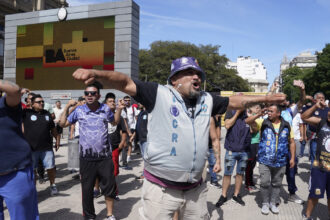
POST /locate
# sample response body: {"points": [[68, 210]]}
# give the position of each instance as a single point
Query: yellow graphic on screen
{"points": [[47, 54], [76, 53]]}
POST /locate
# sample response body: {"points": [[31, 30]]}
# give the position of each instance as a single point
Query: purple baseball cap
{"points": [[184, 63]]}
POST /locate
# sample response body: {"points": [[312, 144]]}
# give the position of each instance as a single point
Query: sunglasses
{"points": [[40, 102], [92, 93]]}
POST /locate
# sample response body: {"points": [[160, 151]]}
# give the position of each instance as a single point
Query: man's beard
{"points": [[193, 94]]}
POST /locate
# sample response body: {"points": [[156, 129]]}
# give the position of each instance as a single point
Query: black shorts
{"points": [[101, 169], [59, 129]]}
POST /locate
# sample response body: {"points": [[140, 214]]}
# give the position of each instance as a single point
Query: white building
{"points": [[302, 61], [285, 64], [252, 70]]}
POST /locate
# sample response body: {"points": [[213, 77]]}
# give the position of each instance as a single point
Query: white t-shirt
{"points": [[132, 113], [123, 114], [57, 113], [295, 126], [294, 110]]}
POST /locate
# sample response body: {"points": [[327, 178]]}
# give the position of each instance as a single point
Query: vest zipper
{"points": [[194, 159]]}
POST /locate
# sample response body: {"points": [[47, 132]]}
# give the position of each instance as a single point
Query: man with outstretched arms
{"points": [[320, 175], [94, 147], [178, 131], [17, 188]]}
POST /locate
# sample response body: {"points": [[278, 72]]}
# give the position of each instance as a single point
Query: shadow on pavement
{"points": [[60, 214], [319, 212], [304, 165], [211, 207], [122, 208], [304, 176], [61, 186]]}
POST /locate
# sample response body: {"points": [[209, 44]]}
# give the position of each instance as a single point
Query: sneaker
{"points": [[97, 193], [265, 208], [251, 189], [221, 201], [274, 209], [139, 177], [117, 198], [304, 217], [239, 200], [127, 168], [111, 217], [215, 184], [42, 180], [53, 190], [129, 159], [296, 199]]}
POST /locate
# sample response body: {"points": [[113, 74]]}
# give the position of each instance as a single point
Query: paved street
{"points": [[67, 205]]}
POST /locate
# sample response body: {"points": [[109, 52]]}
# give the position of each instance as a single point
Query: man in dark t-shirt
{"points": [[117, 133], [319, 113], [39, 128], [17, 189], [178, 131], [320, 174], [238, 139]]}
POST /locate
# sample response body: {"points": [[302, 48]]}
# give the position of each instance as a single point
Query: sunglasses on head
{"points": [[92, 93], [40, 102]]}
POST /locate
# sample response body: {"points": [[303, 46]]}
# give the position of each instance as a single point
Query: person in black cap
{"points": [[178, 130]]}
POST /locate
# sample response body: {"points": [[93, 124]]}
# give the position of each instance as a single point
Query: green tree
{"points": [[319, 78], [315, 79], [155, 64], [293, 73]]}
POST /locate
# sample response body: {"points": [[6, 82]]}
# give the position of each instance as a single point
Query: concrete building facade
{"points": [[252, 70], [302, 61], [126, 38], [19, 6]]}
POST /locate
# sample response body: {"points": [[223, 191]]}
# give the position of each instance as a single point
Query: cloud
{"points": [[184, 23]]}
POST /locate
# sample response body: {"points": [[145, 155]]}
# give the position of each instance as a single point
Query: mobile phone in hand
{"points": [[296, 82]]}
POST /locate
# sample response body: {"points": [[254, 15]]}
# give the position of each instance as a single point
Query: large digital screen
{"points": [[47, 54]]}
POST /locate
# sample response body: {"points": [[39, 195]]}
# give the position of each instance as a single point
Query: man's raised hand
{"points": [[86, 75]]}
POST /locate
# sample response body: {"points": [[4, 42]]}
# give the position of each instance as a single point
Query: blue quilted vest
{"points": [[268, 153]]}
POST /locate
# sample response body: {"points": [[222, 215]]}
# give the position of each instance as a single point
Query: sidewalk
{"points": [[67, 205]]}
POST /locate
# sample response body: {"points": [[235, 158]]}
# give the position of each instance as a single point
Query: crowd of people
{"points": [[177, 128]]}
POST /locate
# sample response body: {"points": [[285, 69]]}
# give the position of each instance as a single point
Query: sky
{"points": [[262, 29]]}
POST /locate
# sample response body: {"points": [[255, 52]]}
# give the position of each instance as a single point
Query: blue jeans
{"points": [[230, 161], [142, 147], [312, 149], [291, 175], [19, 192], [212, 160], [47, 158], [302, 147]]}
